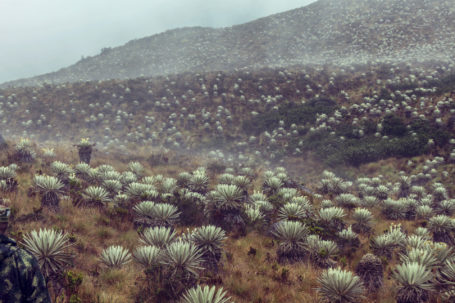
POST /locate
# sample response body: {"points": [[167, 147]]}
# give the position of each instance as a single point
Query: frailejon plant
{"points": [[50, 248], [371, 272], [442, 228], [209, 240], [340, 286], [414, 281], [24, 151], [115, 256], [206, 294], [292, 212], [85, 148], [95, 196], [49, 188], [292, 236], [363, 219], [158, 236], [225, 207], [183, 262], [322, 252]]}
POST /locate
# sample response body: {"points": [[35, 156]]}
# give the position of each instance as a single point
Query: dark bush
{"points": [[393, 126], [290, 113]]}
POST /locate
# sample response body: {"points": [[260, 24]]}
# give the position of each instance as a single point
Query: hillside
{"points": [[344, 32]]}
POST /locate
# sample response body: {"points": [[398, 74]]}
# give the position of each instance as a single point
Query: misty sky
{"points": [[40, 36]]}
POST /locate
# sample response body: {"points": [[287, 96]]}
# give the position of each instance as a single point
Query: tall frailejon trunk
{"points": [[85, 153], [51, 201]]}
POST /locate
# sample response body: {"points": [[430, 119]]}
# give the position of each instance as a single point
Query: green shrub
{"points": [[290, 113], [393, 126]]}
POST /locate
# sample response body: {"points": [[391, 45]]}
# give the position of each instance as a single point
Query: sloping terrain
{"points": [[345, 32]]}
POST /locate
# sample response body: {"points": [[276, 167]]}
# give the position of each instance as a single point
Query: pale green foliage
{"points": [[292, 212], [140, 191], [182, 258], [424, 211], [272, 185], [199, 181], [47, 184], [208, 239], [163, 214], [422, 256], [82, 170], [340, 286], [50, 248], [95, 196], [348, 201], [205, 294], [331, 213], [254, 214], [62, 170], [347, 234], [148, 256], [7, 172], [226, 197], [441, 224], [413, 278], [112, 186], [226, 179], [136, 168], [115, 256], [362, 216], [292, 236], [242, 182], [258, 196], [158, 236]]}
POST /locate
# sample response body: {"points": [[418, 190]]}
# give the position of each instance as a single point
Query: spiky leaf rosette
{"points": [[205, 294], [144, 213], [348, 201], [446, 279], [165, 214], [82, 170], [383, 245], [254, 214], [158, 236], [46, 184], [115, 256], [415, 282], [49, 187], [50, 248], [199, 182], [340, 286], [292, 212], [136, 168], [272, 185], [209, 240], [322, 252], [227, 197], [183, 259], [139, 191], [7, 172], [332, 218], [95, 196], [363, 219], [292, 236], [422, 256], [442, 226], [371, 271], [61, 170], [148, 256]]}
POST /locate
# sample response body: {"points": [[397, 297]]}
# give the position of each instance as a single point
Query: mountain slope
{"points": [[341, 31]]}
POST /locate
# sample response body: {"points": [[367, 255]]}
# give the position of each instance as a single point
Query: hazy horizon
{"points": [[43, 36]]}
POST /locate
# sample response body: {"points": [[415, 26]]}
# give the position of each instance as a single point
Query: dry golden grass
{"points": [[246, 277]]}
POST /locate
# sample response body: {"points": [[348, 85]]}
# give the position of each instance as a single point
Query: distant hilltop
{"points": [[337, 31]]}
